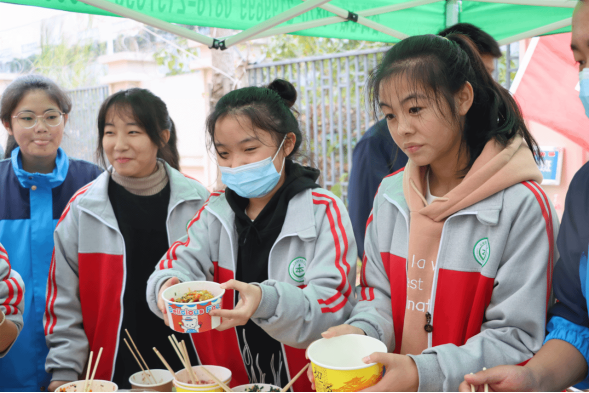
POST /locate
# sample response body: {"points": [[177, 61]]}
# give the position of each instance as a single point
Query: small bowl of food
{"points": [[256, 387], [143, 380], [188, 305], [184, 383], [338, 366], [94, 386]]}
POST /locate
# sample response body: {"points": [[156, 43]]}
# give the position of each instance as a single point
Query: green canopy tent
{"points": [[373, 20]]}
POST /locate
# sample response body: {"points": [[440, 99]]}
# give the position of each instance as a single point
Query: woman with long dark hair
{"points": [[109, 239]]}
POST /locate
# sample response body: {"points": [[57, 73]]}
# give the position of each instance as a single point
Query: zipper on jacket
{"points": [[435, 282], [124, 284]]}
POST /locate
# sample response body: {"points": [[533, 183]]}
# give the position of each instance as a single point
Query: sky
{"points": [[13, 15]]}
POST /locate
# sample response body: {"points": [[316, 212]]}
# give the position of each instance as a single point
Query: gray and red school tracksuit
{"points": [[86, 283], [12, 292], [311, 269], [487, 309]]}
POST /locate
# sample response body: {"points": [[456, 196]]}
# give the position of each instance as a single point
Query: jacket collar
{"points": [[487, 210], [52, 179], [299, 220], [96, 198]]}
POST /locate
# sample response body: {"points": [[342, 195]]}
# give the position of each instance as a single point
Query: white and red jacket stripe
{"points": [[84, 307], [311, 272], [486, 309], [12, 294]]}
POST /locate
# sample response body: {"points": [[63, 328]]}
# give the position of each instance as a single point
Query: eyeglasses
{"points": [[29, 120]]}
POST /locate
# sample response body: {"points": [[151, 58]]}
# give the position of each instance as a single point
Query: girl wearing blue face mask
{"points": [[563, 359], [285, 244]]}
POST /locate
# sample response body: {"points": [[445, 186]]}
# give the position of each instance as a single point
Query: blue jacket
{"points": [[375, 156], [569, 319], [30, 205]]}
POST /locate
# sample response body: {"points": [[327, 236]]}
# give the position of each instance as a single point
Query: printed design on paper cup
{"points": [[327, 380], [297, 268], [482, 251], [193, 318]]}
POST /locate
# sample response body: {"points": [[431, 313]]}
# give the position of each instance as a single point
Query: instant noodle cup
{"points": [[193, 317], [183, 382], [338, 366], [256, 387], [142, 380], [96, 386]]}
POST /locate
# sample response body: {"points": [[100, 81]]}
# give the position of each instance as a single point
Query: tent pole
{"points": [[541, 3], [149, 20], [540, 30], [524, 65], [274, 21], [337, 19], [452, 12]]}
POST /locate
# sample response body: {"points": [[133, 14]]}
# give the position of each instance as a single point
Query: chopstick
{"points": [[472, 389], [95, 367], [186, 361], [182, 359], [88, 371], [150, 374], [486, 385], [137, 360], [284, 389], [185, 352], [217, 380], [159, 355]]}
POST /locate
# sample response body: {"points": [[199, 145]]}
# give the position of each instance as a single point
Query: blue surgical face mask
{"points": [[253, 180], [584, 93]]}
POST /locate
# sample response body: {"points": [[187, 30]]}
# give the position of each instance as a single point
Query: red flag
{"points": [[546, 88]]}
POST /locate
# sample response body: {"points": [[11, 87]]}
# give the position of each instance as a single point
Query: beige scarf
{"points": [[496, 169]]}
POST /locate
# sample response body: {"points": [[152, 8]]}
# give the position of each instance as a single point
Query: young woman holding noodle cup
{"points": [[459, 247], [274, 237]]}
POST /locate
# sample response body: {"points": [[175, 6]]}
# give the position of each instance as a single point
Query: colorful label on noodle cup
{"points": [[193, 318]]}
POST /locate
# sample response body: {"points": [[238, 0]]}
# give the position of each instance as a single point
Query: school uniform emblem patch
{"points": [[482, 251], [297, 268]]}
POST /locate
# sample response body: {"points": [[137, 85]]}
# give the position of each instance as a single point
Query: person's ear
{"points": [[464, 99], [65, 119], [289, 143], [165, 134], [7, 126]]}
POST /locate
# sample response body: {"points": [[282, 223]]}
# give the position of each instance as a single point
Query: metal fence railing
{"points": [[331, 107], [81, 134], [331, 104]]}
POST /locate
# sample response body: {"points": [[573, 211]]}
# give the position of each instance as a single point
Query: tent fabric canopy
{"points": [[372, 20]]}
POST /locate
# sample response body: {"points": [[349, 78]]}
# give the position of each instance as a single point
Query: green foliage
{"points": [[69, 65], [337, 187], [285, 46], [175, 60]]}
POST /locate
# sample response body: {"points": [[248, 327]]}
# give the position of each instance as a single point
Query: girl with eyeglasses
{"points": [[37, 179]]}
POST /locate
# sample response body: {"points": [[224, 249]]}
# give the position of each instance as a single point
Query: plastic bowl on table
{"points": [[264, 387], [193, 317], [183, 382], [142, 380], [96, 386], [338, 366]]}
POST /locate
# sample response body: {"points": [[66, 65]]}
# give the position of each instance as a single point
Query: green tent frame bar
{"points": [[270, 26]]}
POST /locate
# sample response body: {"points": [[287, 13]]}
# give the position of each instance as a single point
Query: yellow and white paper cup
{"points": [[338, 366]]}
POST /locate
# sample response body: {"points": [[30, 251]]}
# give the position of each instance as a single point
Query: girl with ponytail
{"points": [[281, 245], [459, 246], [110, 237]]}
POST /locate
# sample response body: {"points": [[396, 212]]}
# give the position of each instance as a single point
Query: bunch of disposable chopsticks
{"points": [[88, 383], [149, 374]]}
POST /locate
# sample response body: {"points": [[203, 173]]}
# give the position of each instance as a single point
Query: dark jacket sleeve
{"points": [[374, 157], [568, 317]]}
